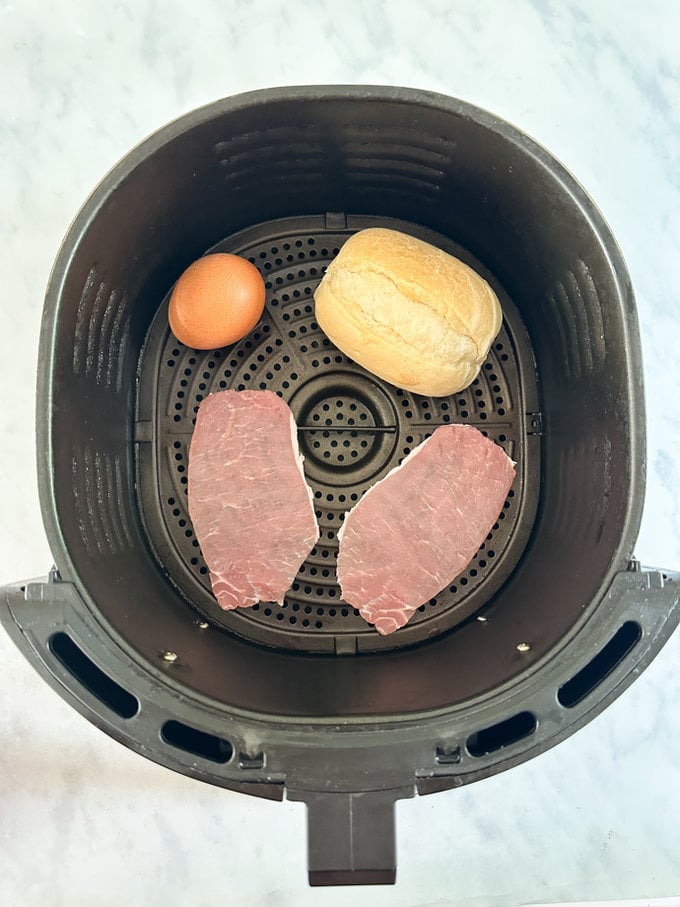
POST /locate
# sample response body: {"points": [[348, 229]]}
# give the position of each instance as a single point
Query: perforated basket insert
{"points": [[353, 428]]}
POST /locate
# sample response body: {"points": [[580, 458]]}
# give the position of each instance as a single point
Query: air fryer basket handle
{"points": [[351, 836], [351, 831]]}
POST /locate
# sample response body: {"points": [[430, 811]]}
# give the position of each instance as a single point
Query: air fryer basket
{"points": [[551, 621]]}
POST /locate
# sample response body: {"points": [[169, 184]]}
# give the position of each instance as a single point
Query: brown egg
{"points": [[216, 301]]}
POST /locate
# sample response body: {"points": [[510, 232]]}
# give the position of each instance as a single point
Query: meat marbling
{"points": [[251, 509], [420, 526]]}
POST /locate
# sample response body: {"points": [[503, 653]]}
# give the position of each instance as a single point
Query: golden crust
{"points": [[408, 312]]}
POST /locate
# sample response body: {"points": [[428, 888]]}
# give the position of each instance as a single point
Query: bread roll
{"points": [[408, 312]]}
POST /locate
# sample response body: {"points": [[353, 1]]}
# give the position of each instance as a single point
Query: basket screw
{"points": [[524, 647], [169, 656], [482, 619], [203, 624]]}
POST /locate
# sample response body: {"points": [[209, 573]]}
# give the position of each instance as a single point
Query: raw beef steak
{"points": [[420, 526], [250, 506]]}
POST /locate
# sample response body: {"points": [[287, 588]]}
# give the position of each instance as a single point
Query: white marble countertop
{"points": [[82, 820]]}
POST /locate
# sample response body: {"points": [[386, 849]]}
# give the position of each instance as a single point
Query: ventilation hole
{"points": [[86, 672], [589, 677], [318, 624], [198, 743], [171, 501], [203, 571], [267, 612], [494, 738]]}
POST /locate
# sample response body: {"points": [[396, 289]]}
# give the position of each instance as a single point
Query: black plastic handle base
{"points": [[350, 781], [351, 836]]}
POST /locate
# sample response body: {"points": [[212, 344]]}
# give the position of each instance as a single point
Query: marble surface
{"points": [[82, 820]]}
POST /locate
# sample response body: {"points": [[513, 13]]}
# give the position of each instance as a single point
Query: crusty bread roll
{"points": [[408, 312]]}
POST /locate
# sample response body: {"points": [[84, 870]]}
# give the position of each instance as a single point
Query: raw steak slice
{"points": [[250, 506], [420, 526]]}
